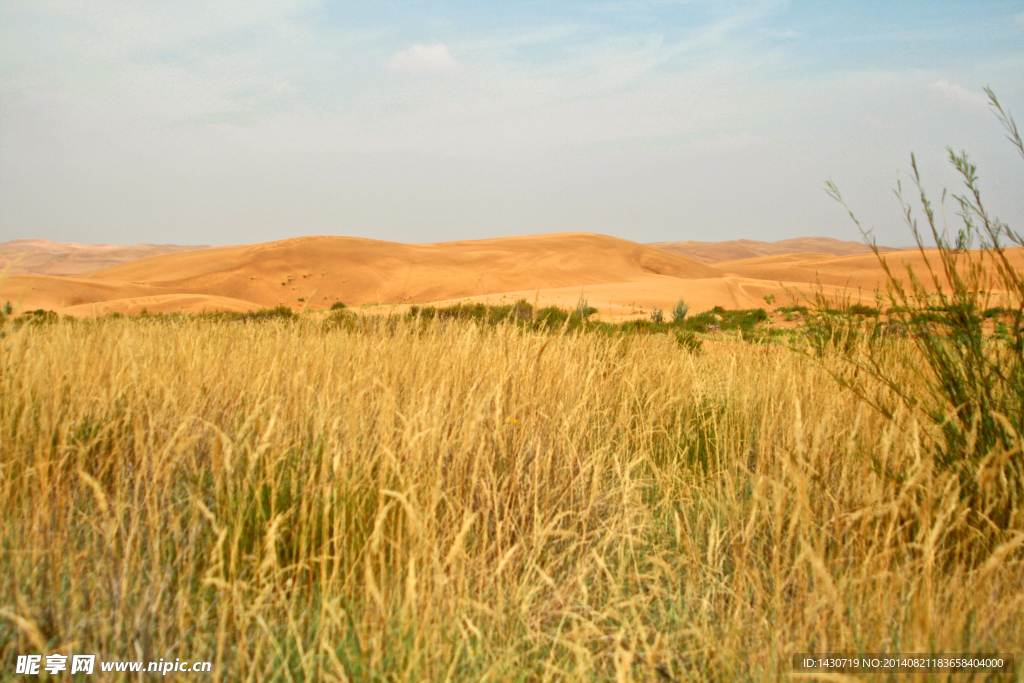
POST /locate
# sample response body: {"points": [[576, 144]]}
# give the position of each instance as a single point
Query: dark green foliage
{"points": [[828, 328], [637, 327], [702, 322], [337, 306], [552, 317], [802, 310], [763, 335], [276, 313], [657, 316], [689, 341], [37, 317], [740, 319], [520, 312], [861, 309], [995, 311]]}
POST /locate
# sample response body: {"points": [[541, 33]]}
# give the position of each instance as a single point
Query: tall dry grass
{"points": [[295, 503]]}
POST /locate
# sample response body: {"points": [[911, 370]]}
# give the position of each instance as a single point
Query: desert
{"points": [[620, 278]]}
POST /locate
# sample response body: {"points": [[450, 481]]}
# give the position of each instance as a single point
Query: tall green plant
{"points": [[972, 384], [680, 311]]}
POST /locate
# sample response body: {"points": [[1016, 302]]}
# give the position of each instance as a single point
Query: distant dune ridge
{"points": [[619, 277], [733, 250], [43, 257]]}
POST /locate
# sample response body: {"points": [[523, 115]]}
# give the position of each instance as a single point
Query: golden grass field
{"points": [[296, 501]]}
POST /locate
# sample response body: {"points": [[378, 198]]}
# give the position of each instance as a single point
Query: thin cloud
{"points": [[424, 59], [958, 93]]}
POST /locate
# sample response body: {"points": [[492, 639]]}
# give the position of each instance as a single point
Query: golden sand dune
{"points": [[732, 250], [862, 272], [315, 272], [161, 303], [43, 257], [619, 277]]}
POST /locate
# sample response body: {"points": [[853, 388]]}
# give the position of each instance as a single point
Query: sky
{"points": [[239, 121]]}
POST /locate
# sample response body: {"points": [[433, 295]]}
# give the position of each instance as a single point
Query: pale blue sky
{"points": [[225, 121]]}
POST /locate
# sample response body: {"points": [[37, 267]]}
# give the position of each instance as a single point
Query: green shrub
{"points": [[994, 312], [970, 388], [679, 311], [702, 321], [37, 317], [744, 318], [277, 313], [689, 341], [552, 317], [800, 310], [861, 309], [657, 316]]}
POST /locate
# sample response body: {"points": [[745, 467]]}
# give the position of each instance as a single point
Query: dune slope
{"points": [[732, 250], [43, 257]]}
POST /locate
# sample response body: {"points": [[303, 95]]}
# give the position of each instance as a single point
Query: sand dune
{"points": [[43, 257], [315, 272], [732, 250], [619, 277], [861, 272]]}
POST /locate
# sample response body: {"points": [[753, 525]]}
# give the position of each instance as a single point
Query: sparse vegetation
{"points": [[278, 312]]}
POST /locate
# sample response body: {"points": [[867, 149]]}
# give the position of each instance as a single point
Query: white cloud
{"points": [[422, 58], [958, 93]]}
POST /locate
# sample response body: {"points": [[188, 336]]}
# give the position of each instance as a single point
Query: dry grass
{"points": [[463, 503]]}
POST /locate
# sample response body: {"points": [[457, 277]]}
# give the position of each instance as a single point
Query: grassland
{"points": [[434, 500]]}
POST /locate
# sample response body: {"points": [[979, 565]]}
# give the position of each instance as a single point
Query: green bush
{"points": [[552, 317], [861, 309], [689, 341], [702, 322], [971, 388], [679, 311], [37, 317], [277, 313], [337, 306]]}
